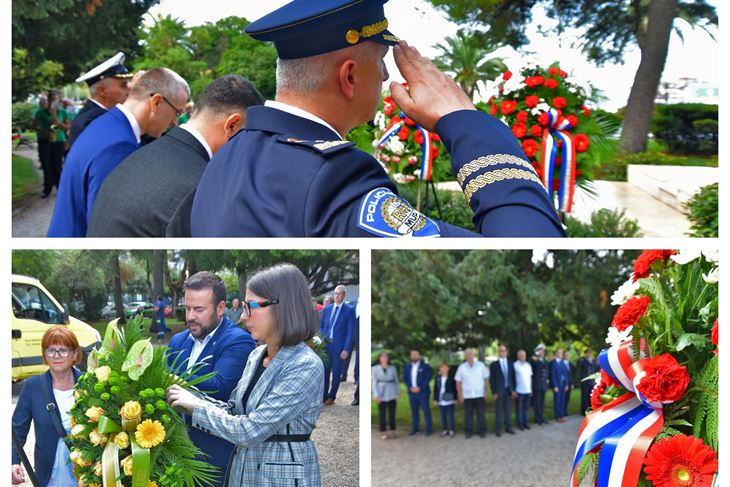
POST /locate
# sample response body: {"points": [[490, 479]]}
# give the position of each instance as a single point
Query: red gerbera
{"points": [[554, 71], [519, 129], [644, 263], [551, 83], [388, 106], [573, 120], [543, 118], [559, 102], [715, 337], [680, 461], [493, 110], [533, 81], [536, 131], [629, 313], [435, 137], [600, 388], [394, 121], [530, 147], [508, 106], [434, 152], [586, 111], [507, 75], [410, 122], [582, 142], [531, 101], [521, 116], [403, 133], [418, 137], [665, 379]]}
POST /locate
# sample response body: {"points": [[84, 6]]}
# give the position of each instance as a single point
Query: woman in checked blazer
{"points": [[273, 410]]}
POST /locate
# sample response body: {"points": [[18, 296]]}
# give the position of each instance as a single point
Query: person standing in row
{"points": [[523, 387], [416, 376], [386, 392], [502, 372], [540, 383], [337, 323], [559, 385], [444, 395], [587, 366], [472, 379]]}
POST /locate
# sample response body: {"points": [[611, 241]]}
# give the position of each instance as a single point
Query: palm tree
{"points": [[465, 58]]}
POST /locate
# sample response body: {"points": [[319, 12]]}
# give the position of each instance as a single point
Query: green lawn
{"points": [[24, 176], [403, 412]]}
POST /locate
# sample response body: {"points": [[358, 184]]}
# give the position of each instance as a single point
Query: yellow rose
{"points": [[102, 373], [97, 469], [82, 481], [131, 410], [96, 438], [78, 431], [93, 413], [127, 466], [75, 455], [122, 439]]}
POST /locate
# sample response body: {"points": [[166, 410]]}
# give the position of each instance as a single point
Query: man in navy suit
{"points": [[416, 376], [152, 107], [540, 378], [559, 384], [216, 342], [337, 324], [504, 389]]}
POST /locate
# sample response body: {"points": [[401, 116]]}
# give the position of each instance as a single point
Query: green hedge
{"points": [[23, 115], [687, 128], [703, 212], [454, 208], [604, 223]]}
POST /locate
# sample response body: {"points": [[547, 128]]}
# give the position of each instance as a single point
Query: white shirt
{"points": [[61, 475], [414, 373], [199, 137], [102, 106], [523, 377], [472, 379], [300, 113], [333, 319], [199, 345], [132, 121]]}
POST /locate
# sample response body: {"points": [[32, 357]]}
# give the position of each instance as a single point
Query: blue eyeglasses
{"points": [[249, 305]]}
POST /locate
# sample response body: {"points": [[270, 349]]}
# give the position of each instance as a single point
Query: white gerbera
{"points": [[713, 276], [686, 256], [616, 337], [624, 292], [712, 255]]}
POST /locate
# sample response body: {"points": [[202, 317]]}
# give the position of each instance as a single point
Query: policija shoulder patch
{"points": [[385, 214]]}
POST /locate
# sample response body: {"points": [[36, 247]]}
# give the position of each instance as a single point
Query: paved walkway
{"points": [[32, 214], [535, 458]]}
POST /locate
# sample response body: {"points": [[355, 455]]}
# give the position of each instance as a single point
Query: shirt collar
{"points": [[208, 336], [284, 107], [132, 121], [189, 128], [102, 106]]}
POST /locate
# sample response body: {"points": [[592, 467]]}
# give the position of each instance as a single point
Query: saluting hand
{"points": [[431, 94]]}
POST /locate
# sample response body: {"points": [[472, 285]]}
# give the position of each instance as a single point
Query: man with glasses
{"points": [[212, 343], [151, 108], [504, 390], [337, 324]]}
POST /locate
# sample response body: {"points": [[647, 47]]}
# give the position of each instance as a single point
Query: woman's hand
{"points": [[18, 474], [179, 397]]}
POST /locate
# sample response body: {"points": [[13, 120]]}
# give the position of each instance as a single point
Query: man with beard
{"points": [[216, 343]]}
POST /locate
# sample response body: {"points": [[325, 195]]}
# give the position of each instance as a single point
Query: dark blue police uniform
{"points": [[289, 176]]}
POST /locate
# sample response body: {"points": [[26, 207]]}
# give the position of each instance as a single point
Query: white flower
{"points": [[395, 146], [316, 340], [713, 276], [712, 255], [685, 256], [512, 84], [624, 292], [417, 173], [616, 337], [380, 120], [542, 106]]}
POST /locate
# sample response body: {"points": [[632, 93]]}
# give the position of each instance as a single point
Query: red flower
{"points": [[559, 102], [715, 337], [573, 120], [434, 152], [665, 379], [521, 116], [536, 131], [435, 137], [388, 106], [628, 314], [600, 388], [531, 101], [394, 121], [586, 111], [508, 106], [507, 75], [493, 110], [543, 118], [582, 142], [403, 133], [533, 81], [644, 263], [530, 147], [519, 129], [410, 122], [680, 461], [491, 99], [554, 71], [418, 137], [551, 83]]}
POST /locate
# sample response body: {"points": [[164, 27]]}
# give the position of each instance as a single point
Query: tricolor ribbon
{"points": [[558, 128], [426, 162], [624, 428]]}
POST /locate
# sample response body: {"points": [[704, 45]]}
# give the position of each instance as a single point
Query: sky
{"points": [[422, 26]]}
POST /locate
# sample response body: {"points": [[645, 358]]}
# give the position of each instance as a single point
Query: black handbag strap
{"points": [[53, 412], [24, 459]]}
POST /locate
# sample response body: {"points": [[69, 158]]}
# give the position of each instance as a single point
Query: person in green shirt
{"points": [[42, 122], [51, 123]]}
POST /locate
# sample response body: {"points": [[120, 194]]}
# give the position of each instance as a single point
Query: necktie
{"points": [[335, 312]]}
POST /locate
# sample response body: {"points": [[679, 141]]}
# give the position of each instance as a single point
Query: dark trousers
{"points": [[585, 395], [447, 417], [471, 407], [503, 411], [333, 374], [559, 402], [420, 401], [523, 404], [44, 157], [346, 364], [566, 400], [538, 403], [57, 150], [386, 408]]}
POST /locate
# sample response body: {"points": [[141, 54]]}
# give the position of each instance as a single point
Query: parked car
{"points": [[110, 311]]}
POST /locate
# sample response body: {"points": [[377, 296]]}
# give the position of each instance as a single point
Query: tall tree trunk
{"points": [[241, 285], [158, 273], [654, 47], [118, 303]]}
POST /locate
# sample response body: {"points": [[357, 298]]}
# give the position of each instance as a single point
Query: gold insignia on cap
{"points": [[353, 36]]}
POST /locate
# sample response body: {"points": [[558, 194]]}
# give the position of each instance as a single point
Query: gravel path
{"points": [[538, 457], [31, 215]]}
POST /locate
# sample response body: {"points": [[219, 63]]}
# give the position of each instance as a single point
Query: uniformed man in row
{"points": [[108, 85], [291, 173]]}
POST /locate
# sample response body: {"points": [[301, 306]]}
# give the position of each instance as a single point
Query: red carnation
{"points": [[665, 379], [519, 129], [715, 337], [582, 142], [530, 147], [410, 122], [493, 110], [435, 137], [586, 111], [628, 314], [521, 116], [643, 263], [551, 83], [543, 118], [418, 137], [536, 131], [403, 133], [394, 121], [572, 120], [434, 152], [600, 389], [388, 106], [559, 102], [531, 101], [533, 81], [507, 75], [554, 71], [680, 461], [508, 106]]}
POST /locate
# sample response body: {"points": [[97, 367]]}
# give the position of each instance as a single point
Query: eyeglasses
{"points": [[177, 112], [61, 352], [249, 305]]}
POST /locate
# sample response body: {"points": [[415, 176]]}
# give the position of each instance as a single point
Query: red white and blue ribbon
{"points": [[558, 129], [426, 162], [623, 429]]}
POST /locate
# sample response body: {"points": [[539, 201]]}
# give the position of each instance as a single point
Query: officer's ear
{"points": [[154, 102], [233, 123], [347, 78]]}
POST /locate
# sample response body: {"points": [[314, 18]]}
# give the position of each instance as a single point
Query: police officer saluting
{"points": [[292, 174]]}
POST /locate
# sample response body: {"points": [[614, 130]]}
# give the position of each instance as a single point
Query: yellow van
{"points": [[34, 311]]}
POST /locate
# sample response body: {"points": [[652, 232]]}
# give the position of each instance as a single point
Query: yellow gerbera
{"points": [[149, 433], [94, 485], [152, 484]]}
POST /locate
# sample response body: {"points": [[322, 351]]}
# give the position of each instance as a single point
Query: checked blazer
{"points": [[287, 399]]}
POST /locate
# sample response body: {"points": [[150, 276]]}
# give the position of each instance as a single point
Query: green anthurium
{"points": [[92, 362], [112, 337], [138, 359]]}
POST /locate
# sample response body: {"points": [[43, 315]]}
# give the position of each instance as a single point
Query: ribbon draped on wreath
{"points": [[557, 129], [624, 428], [426, 162], [110, 458]]}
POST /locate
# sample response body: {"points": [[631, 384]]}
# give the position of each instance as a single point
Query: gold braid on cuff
{"points": [[496, 176], [491, 160]]}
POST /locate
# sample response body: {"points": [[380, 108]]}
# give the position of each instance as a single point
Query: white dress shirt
{"points": [[132, 121], [523, 377], [100, 105], [199, 345], [189, 128], [333, 319], [414, 373], [472, 379], [284, 107]]}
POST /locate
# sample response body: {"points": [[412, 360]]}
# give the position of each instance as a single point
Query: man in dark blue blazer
{"points": [[337, 324], [215, 341], [416, 377], [504, 389], [559, 384], [152, 107], [540, 380]]}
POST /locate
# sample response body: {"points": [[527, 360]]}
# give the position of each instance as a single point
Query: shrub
{"points": [[687, 128], [604, 223], [454, 208], [702, 212], [23, 115]]}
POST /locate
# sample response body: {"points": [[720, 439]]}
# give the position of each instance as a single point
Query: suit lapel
{"points": [[212, 346], [189, 140]]}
